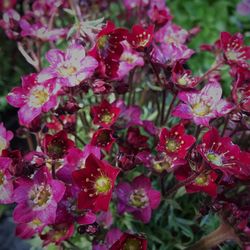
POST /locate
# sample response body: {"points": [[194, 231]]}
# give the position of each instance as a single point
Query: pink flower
{"points": [[37, 198], [138, 198], [33, 98], [6, 186], [5, 137], [130, 4], [41, 31], [70, 67], [204, 105], [128, 60]]}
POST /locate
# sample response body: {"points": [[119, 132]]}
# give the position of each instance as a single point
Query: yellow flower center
{"points": [[3, 144], [38, 97], [40, 195], [201, 109], [160, 167], [129, 58], [102, 184], [132, 244], [106, 117], [138, 198], [67, 70]]}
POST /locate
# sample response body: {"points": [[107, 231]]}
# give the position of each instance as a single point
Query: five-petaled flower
{"points": [[105, 114], [5, 137], [70, 68], [33, 98], [138, 198], [96, 181], [204, 105], [175, 141]]}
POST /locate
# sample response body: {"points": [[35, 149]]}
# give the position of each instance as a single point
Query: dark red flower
{"points": [[220, 153], [130, 241], [56, 146], [103, 138], [108, 48], [96, 182], [105, 114], [234, 50], [183, 78], [204, 182], [175, 141], [141, 38]]}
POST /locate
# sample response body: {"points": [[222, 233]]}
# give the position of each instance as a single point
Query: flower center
{"points": [[128, 58], [38, 97], [102, 184], [3, 143], [132, 244], [172, 145], [201, 109], [182, 81], [102, 41], [67, 70], [106, 117], [214, 158], [160, 167], [201, 180], [2, 179], [233, 55], [139, 198], [40, 195]]}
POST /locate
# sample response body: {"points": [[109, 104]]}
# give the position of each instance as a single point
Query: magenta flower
{"points": [[5, 137], [33, 98], [70, 67], [38, 198], [128, 60], [6, 186], [204, 105], [41, 31], [138, 198]]}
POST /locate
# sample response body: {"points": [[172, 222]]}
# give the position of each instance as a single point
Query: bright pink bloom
{"points": [[131, 4], [56, 146], [130, 241], [234, 50], [6, 185], [70, 68], [33, 98], [204, 105], [105, 114], [5, 137], [138, 198], [103, 138], [175, 141], [183, 78], [220, 153], [37, 198], [140, 37], [41, 31], [128, 60], [96, 182]]}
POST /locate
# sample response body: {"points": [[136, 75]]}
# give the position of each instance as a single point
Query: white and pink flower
{"points": [[5, 137]]}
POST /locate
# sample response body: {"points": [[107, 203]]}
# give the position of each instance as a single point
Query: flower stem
{"points": [[222, 233]]}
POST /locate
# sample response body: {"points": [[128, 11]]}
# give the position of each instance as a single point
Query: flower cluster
{"points": [[110, 113]]}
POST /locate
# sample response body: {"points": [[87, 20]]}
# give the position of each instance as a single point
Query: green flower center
{"points": [[172, 145], [160, 167], [201, 180], [102, 184], [201, 109], [106, 117], [214, 158], [2, 144], [132, 244], [102, 41], [67, 70], [1, 178], [139, 198]]}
